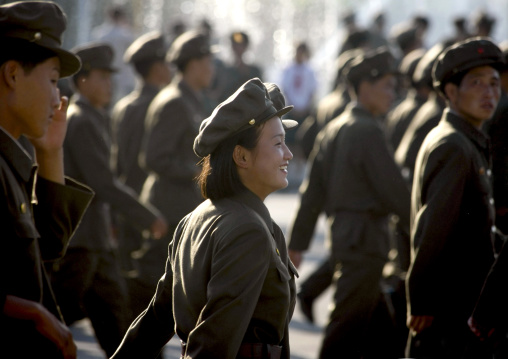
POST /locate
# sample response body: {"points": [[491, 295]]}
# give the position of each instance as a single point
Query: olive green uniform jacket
{"points": [[228, 281], [353, 178], [452, 219], [38, 218], [129, 127], [172, 122]]}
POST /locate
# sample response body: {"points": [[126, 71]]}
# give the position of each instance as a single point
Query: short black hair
{"points": [[219, 177], [143, 67], [29, 55]]}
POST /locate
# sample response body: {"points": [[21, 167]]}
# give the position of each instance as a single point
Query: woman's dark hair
{"points": [[219, 177], [27, 54]]}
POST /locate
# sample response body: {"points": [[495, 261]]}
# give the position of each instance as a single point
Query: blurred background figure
{"points": [[238, 71], [117, 32], [483, 24], [147, 56], [407, 37], [425, 119], [88, 280], [415, 95], [377, 31], [348, 23], [175, 29], [299, 85], [171, 124]]}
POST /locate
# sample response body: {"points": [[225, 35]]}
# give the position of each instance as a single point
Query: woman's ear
{"points": [[240, 156]]}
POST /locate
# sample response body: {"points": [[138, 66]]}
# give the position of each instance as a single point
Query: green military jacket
{"points": [[228, 281]]}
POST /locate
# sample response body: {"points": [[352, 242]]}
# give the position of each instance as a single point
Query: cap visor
{"points": [[287, 123], [69, 63]]}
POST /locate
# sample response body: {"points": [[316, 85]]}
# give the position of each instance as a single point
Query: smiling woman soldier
{"points": [[229, 289]]}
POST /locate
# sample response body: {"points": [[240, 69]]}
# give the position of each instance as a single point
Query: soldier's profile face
{"points": [[380, 95], [97, 87], [38, 97], [477, 95]]}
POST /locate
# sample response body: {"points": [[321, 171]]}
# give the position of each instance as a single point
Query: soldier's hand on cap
{"points": [[49, 148], [159, 228], [54, 138], [296, 257]]}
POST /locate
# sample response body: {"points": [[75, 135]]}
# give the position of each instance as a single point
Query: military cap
{"points": [[405, 36], [372, 64], [423, 71], [504, 48], [39, 23], [463, 56], [357, 39], [344, 59], [150, 46], [189, 45], [252, 104], [409, 62], [95, 55]]}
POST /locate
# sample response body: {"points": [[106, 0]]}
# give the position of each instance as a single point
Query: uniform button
{"points": [[22, 208], [491, 201], [277, 250], [493, 229], [489, 172]]}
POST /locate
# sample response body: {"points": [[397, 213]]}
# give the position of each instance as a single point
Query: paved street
{"points": [[305, 337]]}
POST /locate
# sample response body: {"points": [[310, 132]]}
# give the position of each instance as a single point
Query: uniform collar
{"points": [[189, 93], [148, 89], [254, 202], [83, 101], [359, 110], [466, 128], [19, 160]]}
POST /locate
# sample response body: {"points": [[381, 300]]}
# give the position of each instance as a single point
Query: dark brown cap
{"points": [[463, 56], [249, 106], [95, 55], [409, 62], [423, 71], [40, 23], [371, 65], [150, 46], [406, 36], [345, 58], [187, 46]]}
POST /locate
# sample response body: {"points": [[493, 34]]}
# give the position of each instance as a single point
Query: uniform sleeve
{"points": [[239, 267], [154, 327], [163, 151], [90, 154], [312, 199], [385, 176], [58, 213], [443, 182]]}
